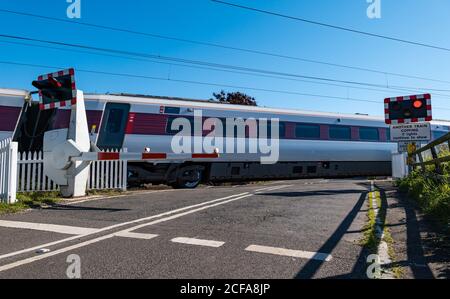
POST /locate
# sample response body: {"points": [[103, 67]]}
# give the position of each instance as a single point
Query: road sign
{"points": [[403, 147], [411, 148], [56, 89], [411, 132], [409, 109]]}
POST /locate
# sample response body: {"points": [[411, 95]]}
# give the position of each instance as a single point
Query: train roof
{"points": [[14, 92], [166, 100], [195, 103]]}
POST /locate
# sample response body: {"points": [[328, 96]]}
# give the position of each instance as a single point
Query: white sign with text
{"points": [[411, 132]]}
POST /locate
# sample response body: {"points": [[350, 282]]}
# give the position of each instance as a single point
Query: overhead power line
{"points": [[334, 26], [198, 83], [217, 65], [209, 44], [217, 70]]}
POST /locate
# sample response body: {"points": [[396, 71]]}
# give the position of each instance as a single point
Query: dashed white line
{"points": [[62, 229], [85, 243], [118, 225], [289, 252], [199, 242], [127, 234]]}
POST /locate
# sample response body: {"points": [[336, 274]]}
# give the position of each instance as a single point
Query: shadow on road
{"points": [[312, 266], [416, 259], [59, 207]]}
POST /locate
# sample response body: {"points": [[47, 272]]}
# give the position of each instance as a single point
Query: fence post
{"points": [[422, 167], [435, 157], [12, 173], [124, 172]]}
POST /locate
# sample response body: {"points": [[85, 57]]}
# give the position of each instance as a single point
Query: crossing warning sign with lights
{"points": [[409, 109], [56, 89]]}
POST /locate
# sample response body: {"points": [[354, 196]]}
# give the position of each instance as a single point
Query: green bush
{"points": [[431, 192]]}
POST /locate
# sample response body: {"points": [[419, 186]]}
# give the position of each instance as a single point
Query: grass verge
{"points": [[30, 200], [431, 193]]}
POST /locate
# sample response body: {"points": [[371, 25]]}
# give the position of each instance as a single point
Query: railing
{"points": [[30, 174], [103, 175], [108, 174], [8, 170], [435, 159]]}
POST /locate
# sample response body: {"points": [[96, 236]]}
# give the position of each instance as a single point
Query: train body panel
{"points": [[11, 104], [311, 144]]}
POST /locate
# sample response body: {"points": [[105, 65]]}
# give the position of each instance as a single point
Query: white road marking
{"points": [[99, 197], [289, 252], [86, 243], [118, 225], [127, 234], [272, 188], [192, 241], [62, 229]]}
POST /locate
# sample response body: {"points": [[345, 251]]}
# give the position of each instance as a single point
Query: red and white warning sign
{"points": [[408, 109], [57, 89]]}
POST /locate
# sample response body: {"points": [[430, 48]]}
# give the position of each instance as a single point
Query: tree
{"points": [[235, 98]]}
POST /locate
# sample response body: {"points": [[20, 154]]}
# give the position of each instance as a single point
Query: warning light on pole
{"points": [[409, 109], [57, 89]]}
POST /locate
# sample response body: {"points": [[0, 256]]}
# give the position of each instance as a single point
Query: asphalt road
{"points": [[286, 229]]}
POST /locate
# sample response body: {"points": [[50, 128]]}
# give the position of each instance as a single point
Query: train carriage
{"points": [[311, 144]]}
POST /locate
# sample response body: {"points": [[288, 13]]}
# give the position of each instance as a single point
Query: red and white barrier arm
{"points": [[136, 157]]}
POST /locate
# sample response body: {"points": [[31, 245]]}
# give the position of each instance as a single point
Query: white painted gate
{"points": [[24, 172], [8, 171], [103, 175]]}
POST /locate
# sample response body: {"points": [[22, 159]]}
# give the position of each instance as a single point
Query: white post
{"points": [[124, 172], [12, 172]]}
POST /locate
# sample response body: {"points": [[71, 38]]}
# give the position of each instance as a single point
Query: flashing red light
{"points": [[417, 104], [54, 82]]}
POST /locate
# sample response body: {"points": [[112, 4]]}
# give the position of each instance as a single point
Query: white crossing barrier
{"points": [[8, 171]]}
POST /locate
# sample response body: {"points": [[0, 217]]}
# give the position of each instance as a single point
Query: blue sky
{"points": [[203, 20]]}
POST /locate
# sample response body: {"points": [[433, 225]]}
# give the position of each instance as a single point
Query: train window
{"points": [[112, 130], [388, 135], [282, 130], [172, 110], [268, 129], [115, 121], [307, 131], [173, 132], [370, 134], [340, 132]]}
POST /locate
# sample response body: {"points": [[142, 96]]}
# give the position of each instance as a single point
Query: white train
{"points": [[311, 144]]}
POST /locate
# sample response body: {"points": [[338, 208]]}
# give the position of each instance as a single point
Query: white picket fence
{"points": [[108, 174], [30, 173], [24, 172], [8, 170], [103, 175]]}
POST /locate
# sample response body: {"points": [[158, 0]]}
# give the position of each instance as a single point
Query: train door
{"points": [[112, 130]]}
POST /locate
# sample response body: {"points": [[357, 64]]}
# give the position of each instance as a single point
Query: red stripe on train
{"points": [[153, 156]]}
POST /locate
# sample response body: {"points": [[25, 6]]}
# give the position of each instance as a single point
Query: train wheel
{"points": [[189, 178]]}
